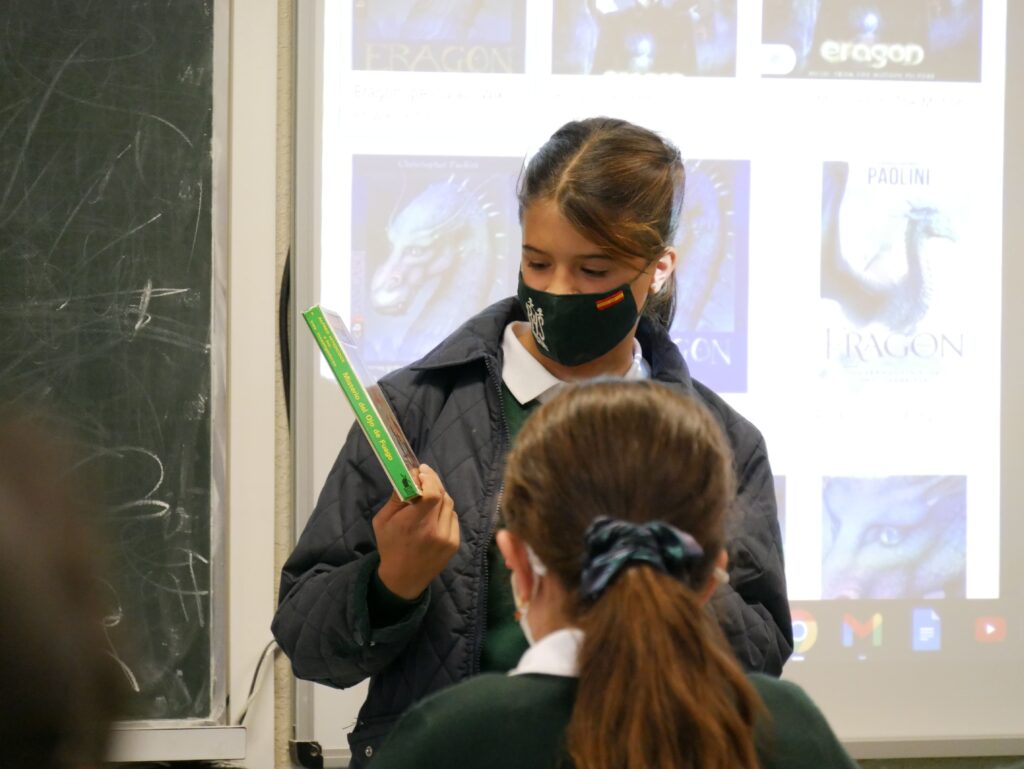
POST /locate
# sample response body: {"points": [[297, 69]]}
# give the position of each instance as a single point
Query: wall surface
{"points": [[283, 496], [253, 110]]}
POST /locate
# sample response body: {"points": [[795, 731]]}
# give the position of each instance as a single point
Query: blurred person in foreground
{"points": [[59, 690]]}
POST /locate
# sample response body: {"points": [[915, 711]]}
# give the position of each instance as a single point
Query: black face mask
{"points": [[573, 329]]}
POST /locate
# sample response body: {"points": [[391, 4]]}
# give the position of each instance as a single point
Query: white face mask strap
{"points": [[539, 570], [536, 564]]}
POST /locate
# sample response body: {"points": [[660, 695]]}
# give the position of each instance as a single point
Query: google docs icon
{"points": [[927, 631]]}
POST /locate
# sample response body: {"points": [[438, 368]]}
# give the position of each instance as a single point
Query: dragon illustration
{"points": [[705, 273], [443, 264], [898, 302], [898, 537]]}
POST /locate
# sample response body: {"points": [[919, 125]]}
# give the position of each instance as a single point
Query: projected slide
{"points": [[839, 280]]}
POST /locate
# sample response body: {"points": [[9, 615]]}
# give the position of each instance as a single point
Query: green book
{"points": [[373, 413]]}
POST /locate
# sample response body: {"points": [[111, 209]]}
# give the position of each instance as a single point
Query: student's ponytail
{"points": [[658, 687], [621, 490]]}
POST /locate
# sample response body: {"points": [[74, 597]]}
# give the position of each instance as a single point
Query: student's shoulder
{"points": [[777, 693], [492, 696], [792, 730], [473, 722]]}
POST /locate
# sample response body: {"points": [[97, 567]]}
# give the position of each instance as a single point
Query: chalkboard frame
{"points": [[211, 738], [178, 738]]}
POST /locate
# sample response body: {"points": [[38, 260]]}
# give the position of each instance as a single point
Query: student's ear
{"points": [[664, 268], [514, 552], [721, 564]]}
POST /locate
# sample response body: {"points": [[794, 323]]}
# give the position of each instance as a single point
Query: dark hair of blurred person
{"points": [[58, 688]]}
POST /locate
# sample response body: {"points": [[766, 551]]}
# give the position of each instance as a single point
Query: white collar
{"points": [[527, 379], [555, 655]]}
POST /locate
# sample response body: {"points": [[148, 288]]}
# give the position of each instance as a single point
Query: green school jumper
{"points": [[497, 721], [504, 642]]}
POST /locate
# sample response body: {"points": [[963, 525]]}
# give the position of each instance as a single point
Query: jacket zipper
{"points": [[481, 620]]}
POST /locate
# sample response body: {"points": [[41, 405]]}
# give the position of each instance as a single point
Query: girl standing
{"points": [[415, 596]]}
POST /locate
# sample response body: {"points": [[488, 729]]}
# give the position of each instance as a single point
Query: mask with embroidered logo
{"points": [[573, 329]]}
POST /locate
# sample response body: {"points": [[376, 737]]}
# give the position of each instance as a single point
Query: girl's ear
{"points": [[514, 552], [664, 269]]}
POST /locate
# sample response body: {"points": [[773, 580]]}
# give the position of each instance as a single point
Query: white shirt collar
{"points": [[554, 655], [527, 379]]}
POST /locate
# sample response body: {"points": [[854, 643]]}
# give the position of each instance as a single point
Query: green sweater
{"points": [[496, 721]]}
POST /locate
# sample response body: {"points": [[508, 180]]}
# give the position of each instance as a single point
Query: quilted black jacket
{"points": [[449, 404]]}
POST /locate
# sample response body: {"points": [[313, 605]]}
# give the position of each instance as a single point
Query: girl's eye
{"points": [[592, 273], [535, 265]]}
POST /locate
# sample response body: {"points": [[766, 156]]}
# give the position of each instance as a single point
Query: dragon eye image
{"points": [[895, 537]]}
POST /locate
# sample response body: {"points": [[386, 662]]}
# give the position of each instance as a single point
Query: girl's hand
{"points": [[416, 539]]}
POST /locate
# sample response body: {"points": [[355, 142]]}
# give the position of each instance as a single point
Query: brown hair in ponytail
{"points": [[659, 687]]}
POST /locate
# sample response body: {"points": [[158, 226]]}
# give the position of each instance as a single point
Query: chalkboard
{"points": [[106, 300]]}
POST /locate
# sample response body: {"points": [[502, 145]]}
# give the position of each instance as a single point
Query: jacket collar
{"points": [[480, 338]]}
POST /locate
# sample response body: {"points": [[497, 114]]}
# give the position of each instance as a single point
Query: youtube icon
{"points": [[990, 629]]}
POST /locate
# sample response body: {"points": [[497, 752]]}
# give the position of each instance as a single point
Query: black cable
{"points": [[283, 316]]}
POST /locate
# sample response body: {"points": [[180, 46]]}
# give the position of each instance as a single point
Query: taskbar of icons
{"points": [[867, 629]]}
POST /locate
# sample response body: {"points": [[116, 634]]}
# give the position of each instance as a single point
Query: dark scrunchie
{"points": [[612, 545]]}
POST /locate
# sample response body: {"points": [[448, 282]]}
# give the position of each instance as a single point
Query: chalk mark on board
{"points": [[111, 620], [195, 231], [35, 120], [126, 235]]}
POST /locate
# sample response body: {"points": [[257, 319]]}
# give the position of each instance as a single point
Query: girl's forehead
{"points": [[546, 228]]}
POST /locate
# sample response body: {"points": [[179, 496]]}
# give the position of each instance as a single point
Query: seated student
{"points": [[615, 500], [58, 689]]}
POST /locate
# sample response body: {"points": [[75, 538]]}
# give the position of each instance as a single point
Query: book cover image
{"points": [[710, 323], [894, 537], [481, 36], [434, 241], [372, 411], [595, 37], [853, 39], [897, 281]]}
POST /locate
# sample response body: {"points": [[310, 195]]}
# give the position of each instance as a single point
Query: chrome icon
{"points": [[805, 630]]}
